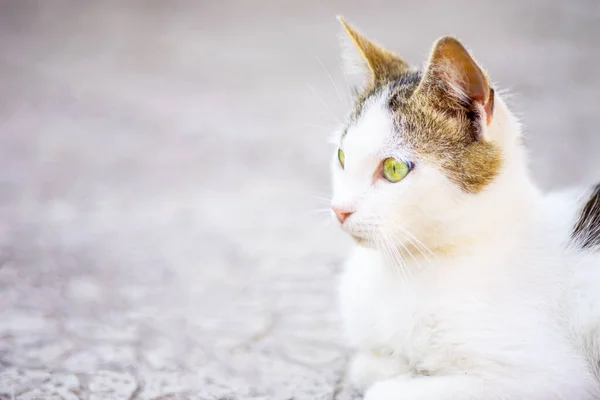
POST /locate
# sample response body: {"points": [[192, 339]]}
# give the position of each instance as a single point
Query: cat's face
{"points": [[383, 209], [415, 153]]}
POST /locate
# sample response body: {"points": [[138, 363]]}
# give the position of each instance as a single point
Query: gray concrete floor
{"points": [[158, 170]]}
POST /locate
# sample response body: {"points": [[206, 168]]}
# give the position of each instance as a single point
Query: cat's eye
{"points": [[395, 170], [341, 157]]}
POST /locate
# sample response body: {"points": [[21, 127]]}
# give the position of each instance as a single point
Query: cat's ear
{"points": [[452, 73], [365, 61]]}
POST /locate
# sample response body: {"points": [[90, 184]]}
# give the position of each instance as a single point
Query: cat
{"points": [[466, 281]]}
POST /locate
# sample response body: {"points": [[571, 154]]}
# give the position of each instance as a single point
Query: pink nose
{"points": [[341, 214]]}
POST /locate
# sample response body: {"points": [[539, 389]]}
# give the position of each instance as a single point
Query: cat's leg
{"points": [[467, 387], [370, 366], [427, 388]]}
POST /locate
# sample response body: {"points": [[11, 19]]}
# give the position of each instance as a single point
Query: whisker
{"points": [[337, 89], [325, 223], [326, 105], [405, 262], [396, 246], [386, 255], [320, 211], [397, 241], [415, 240], [410, 252], [344, 76], [414, 246], [326, 128], [398, 258], [321, 198]]}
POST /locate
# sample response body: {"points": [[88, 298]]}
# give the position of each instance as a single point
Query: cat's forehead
{"points": [[395, 90], [373, 132], [374, 127]]}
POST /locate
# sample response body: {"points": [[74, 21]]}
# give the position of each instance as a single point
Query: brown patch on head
{"points": [[442, 113], [445, 117], [451, 139]]}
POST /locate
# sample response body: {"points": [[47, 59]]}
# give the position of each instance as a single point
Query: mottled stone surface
{"points": [[159, 163]]}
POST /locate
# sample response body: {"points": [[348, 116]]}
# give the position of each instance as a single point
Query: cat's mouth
{"points": [[363, 235], [359, 233]]}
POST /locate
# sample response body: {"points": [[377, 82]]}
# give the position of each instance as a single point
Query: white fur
{"points": [[491, 303]]}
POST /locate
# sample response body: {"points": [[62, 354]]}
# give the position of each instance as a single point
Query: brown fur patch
{"points": [[449, 137], [439, 113]]}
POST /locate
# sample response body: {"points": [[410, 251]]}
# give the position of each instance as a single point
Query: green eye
{"points": [[394, 170], [341, 157]]}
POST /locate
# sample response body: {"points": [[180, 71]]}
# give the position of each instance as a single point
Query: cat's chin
{"points": [[360, 239], [363, 241]]}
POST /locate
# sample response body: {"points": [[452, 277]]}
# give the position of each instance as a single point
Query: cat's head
{"points": [[423, 150]]}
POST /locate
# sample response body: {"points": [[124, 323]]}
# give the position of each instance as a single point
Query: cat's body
{"points": [[468, 283], [518, 315]]}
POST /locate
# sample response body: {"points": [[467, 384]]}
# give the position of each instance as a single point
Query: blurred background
{"points": [[162, 168]]}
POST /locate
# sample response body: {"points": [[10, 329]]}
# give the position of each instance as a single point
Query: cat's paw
{"points": [[399, 389], [386, 390], [408, 387], [369, 367]]}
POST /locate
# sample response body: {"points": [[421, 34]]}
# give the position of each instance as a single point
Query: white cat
{"points": [[467, 283]]}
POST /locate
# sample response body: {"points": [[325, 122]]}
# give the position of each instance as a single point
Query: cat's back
{"points": [[569, 220], [573, 219], [585, 234]]}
